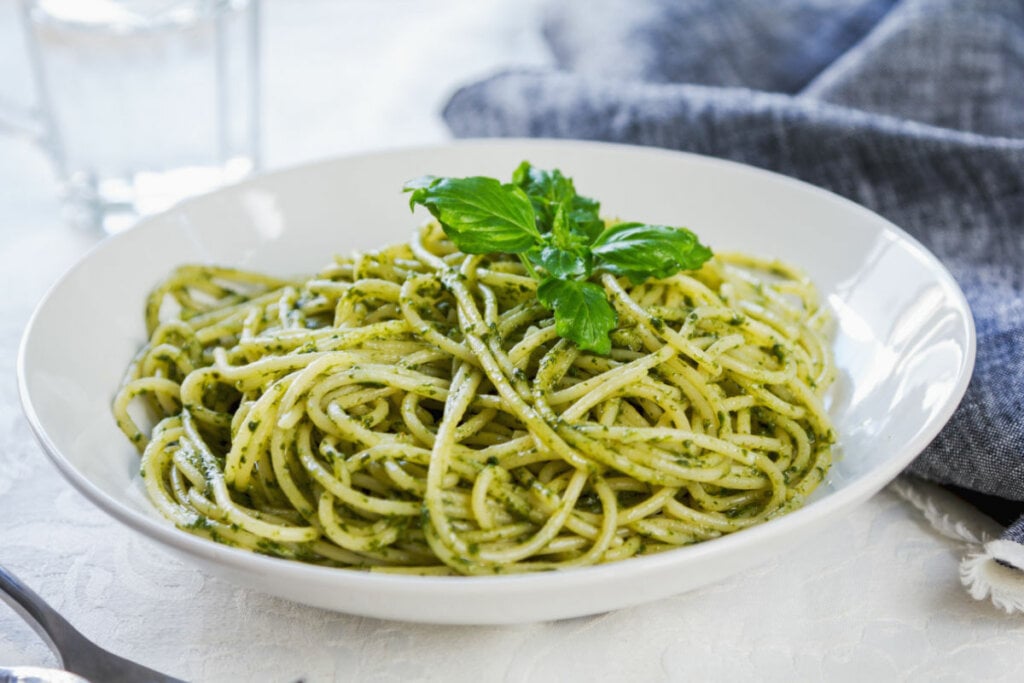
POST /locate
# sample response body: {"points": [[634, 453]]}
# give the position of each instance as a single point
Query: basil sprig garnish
{"points": [[561, 240]]}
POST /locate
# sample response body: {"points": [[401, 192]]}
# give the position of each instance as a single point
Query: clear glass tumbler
{"points": [[144, 102]]}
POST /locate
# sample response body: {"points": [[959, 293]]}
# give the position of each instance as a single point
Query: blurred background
{"points": [[336, 77]]}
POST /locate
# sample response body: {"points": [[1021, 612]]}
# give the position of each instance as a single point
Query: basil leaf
{"points": [[548, 190], [561, 227], [551, 186], [586, 218], [415, 184], [582, 312], [640, 251], [480, 215], [559, 262], [561, 240]]}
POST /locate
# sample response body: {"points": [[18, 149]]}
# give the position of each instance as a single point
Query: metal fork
{"points": [[76, 653]]}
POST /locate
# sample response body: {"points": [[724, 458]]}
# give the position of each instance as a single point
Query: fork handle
{"points": [[54, 629], [76, 653]]}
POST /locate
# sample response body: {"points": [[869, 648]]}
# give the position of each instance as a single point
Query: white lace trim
{"points": [[983, 570]]}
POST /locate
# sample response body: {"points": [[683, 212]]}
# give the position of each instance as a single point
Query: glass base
{"points": [[112, 205]]}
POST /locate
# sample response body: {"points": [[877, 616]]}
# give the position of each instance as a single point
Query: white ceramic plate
{"points": [[904, 346]]}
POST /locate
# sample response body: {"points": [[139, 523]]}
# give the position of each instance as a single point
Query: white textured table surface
{"points": [[875, 597]]}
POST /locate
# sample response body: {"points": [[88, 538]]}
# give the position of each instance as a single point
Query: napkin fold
{"points": [[913, 108]]}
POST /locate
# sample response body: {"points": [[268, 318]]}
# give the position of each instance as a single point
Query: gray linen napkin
{"points": [[913, 108]]}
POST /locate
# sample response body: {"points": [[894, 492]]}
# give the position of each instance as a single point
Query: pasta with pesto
{"points": [[414, 410]]}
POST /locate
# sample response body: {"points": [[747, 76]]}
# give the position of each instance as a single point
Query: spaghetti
{"points": [[414, 410]]}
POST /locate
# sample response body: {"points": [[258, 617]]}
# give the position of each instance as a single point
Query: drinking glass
{"points": [[140, 103]]}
